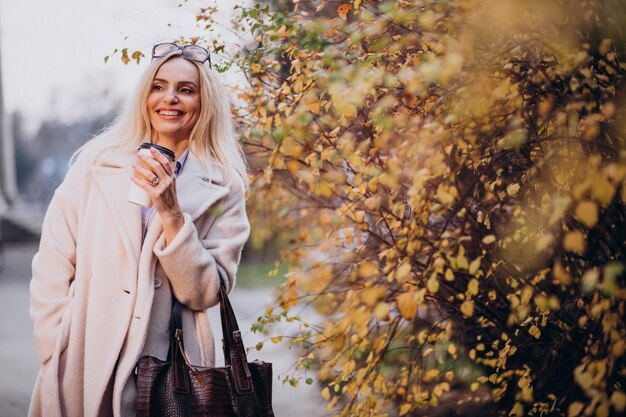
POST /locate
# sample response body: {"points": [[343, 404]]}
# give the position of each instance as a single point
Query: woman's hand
{"points": [[155, 175]]}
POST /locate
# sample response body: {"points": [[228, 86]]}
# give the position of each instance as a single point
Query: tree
{"points": [[449, 177]]}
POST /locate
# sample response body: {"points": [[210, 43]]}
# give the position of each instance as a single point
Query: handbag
{"points": [[175, 388]]}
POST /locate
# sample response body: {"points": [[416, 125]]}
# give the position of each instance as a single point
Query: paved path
{"points": [[20, 364]]}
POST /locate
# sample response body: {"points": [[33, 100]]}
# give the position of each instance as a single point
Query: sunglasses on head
{"points": [[190, 52]]}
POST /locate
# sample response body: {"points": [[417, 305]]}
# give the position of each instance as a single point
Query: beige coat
{"points": [[93, 287]]}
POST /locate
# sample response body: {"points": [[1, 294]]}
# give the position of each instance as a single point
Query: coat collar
{"points": [[198, 187]]}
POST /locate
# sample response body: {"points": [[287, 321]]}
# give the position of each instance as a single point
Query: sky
{"points": [[52, 52]]}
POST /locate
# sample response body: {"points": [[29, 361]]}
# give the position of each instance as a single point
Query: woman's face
{"points": [[174, 100]]}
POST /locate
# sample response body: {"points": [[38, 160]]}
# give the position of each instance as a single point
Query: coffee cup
{"points": [[136, 194]]}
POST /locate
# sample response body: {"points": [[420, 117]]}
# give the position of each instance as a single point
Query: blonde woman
{"points": [[106, 268]]}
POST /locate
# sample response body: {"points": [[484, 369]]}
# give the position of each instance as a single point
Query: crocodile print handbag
{"points": [[175, 388]]}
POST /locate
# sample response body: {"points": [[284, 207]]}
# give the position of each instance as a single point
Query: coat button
{"points": [[157, 282]]}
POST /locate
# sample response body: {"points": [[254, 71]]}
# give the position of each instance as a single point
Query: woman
{"points": [[106, 268]]}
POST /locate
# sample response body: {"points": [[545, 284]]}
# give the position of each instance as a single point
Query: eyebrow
{"points": [[179, 83]]}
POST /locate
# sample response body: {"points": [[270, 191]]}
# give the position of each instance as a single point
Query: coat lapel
{"points": [[112, 174], [198, 188]]}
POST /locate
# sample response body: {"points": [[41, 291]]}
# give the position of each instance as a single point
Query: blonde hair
{"points": [[212, 139]]}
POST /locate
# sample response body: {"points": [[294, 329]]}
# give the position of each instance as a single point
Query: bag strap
{"points": [[234, 350]]}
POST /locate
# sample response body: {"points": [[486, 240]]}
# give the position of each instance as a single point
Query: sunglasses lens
{"points": [[196, 53], [163, 49]]}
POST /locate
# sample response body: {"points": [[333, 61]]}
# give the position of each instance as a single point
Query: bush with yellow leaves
{"points": [[449, 179]]}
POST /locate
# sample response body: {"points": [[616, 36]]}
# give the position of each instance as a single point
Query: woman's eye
{"points": [[186, 90], [157, 87]]}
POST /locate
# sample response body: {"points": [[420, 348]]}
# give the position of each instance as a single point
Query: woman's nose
{"points": [[171, 96]]}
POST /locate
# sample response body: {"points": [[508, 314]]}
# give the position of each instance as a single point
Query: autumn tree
{"points": [[449, 181]]}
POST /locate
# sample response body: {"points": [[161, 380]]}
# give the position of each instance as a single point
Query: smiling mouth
{"points": [[170, 112]]}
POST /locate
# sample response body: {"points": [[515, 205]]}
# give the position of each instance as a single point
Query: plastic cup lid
{"points": [[165, 151]]}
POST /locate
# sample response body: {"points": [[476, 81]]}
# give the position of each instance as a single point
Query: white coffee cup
{"points": [[136, 194]]}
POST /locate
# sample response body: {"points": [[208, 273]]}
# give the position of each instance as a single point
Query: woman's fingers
{"points": [[143, 173], [142, 183], [147, 162], [165, 163]]}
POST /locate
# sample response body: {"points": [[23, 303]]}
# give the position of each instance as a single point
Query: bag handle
{"points": [[234, 350]]}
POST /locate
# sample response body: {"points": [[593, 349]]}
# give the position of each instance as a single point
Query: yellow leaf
{"points": [[433, 284], [348, 368], [489, 239], [137, 55], [360, 316], [603, 191], [512, 190], [474, 386], [587, 213], [560, 274], [461, 260], [324, 189], [124, 57], [293, 166], [618, 399], [372, 203], [350, 110], [379, 384], [472, 286], [326, 394], [523, 382], [367, 269], [467, 308], [449, 275], [381, 311], [446, 194], [371, 295], [403, 272], [517, 411], [407, 305], [602, 410], [389, 180], [474, 266], [276, 339], [583, 378], [574, 409], [343, 10], [314, 107], [534, 331], [351, 388], [431, 374], [452, 349], [405, 408], [574, 241], [333, 134]]}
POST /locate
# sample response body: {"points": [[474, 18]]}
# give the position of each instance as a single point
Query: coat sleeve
{"points": [[192, 260], [53, 266]]}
